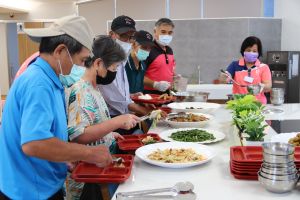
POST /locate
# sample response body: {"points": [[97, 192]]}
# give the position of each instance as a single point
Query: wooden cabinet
{"points": [[26, 46]]}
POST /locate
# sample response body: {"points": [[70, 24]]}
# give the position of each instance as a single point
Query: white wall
{"points": [[289, 11], [233, 8], [99, 12], [4, 74], [40, 9], [185, 9], [141, 9]]}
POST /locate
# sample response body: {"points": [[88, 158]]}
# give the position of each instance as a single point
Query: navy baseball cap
{"points": [[123, 24], [143, 38]]}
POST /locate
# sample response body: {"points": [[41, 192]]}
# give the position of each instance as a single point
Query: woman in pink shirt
{"points": [[248, 70], [26, 63]]}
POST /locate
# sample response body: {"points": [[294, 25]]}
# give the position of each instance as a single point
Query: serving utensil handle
{"points": [[144, 192]]}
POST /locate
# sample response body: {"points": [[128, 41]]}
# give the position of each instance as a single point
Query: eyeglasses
{"points": [[126, 38]]}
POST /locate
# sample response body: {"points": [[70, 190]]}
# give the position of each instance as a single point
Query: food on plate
{"points": [[119, 165], [155, 115], [145, 97], [192, 108], [295, 140], [118, 162], [193, 135], [165, 97], [189, 118], [148, 140], [176, 155]]}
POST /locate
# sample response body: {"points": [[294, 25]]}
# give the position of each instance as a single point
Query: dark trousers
{"points": [[91, 191], [57, 196]]}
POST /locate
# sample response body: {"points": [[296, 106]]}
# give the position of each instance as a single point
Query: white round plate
{"points": [[283, 137], [200, 124], [165, 135], [144, 151], [202, 107]]}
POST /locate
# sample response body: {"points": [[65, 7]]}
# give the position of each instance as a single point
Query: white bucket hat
{"points": [[74, 26]]}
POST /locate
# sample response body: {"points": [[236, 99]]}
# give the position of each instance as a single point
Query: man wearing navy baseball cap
{"points": [[122, 30], [117, 94]]}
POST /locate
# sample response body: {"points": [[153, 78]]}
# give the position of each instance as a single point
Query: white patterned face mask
{"points": [[125, 46], [165, 40]]}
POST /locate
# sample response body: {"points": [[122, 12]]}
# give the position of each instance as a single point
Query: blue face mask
{"points": [[76, 73], [142, 54]]}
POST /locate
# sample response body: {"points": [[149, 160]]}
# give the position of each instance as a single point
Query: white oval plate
{"points": [[200, 124], [183, 107], [283, 137], [144, 151], [218, 135]]}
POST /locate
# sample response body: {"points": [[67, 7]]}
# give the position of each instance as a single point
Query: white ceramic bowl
{"points": [[194, 107]]}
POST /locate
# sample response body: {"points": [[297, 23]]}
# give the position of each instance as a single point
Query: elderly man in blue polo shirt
{"points": [[33, 136]]}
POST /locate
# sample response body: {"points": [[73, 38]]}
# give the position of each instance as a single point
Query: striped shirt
{"points": [[85, 107]]}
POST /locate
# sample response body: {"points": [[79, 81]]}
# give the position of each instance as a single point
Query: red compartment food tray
{"points": [[133, 142], [253, 155], [243, 176], [240, 169], [166, 109], [90, 173], [155, 99]]}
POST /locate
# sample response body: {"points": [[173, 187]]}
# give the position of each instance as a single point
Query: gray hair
{"points": [[108, 50], [164, 21]]}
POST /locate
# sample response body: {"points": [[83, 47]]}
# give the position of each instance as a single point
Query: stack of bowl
{"points": [[278, 172]]}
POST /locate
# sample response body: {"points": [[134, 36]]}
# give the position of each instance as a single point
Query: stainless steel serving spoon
{"points": [[181, 191]]}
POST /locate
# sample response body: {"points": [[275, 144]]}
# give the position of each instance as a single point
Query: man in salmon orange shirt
{"points": [[160, 63]]}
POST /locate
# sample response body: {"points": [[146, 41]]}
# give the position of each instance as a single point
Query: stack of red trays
{"points": [[90, 173], [246, 161]]}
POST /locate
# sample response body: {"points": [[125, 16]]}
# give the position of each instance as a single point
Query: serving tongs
{"points": [[255, 88], [226, 74], [181, 191], [152, 115]]}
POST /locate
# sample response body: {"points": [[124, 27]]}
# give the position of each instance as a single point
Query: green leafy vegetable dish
{"points": [[193, 135]]}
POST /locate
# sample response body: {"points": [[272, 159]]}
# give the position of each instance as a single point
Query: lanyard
{"points": [[249, 70]]}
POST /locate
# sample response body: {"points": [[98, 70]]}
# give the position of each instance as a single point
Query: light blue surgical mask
{"points": [[76, 73], [165, 40], [142, 54]]}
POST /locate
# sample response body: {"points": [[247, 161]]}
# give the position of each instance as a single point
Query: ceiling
{"points": [[7, 10]]}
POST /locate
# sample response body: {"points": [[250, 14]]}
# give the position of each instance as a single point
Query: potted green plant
{"points": [[253, 127], [247, 117]]}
